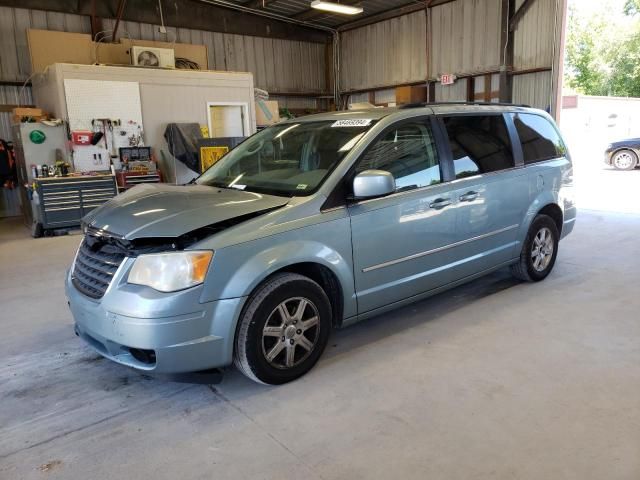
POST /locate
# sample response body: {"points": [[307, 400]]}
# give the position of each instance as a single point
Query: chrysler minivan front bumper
{"points": [[156, 332]]}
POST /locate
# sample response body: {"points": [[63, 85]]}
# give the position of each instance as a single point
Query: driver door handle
{"points": [[469, 196], [440, 203]]}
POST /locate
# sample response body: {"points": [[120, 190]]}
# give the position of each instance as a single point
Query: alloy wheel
{"points": [[290, 333], [623, 160], [542, 249]]}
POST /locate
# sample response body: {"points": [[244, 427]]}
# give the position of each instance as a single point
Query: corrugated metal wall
{"points": [[534, 36], [10, 95], [15, 64], [386, 96], [277, 65], [388, 53], [283, 66], [464, 40], [465, 37], [534, 40], [533, 89], [295, 102], [451, 93]]}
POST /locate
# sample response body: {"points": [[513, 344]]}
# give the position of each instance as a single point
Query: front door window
{"points": [[409, 153]]}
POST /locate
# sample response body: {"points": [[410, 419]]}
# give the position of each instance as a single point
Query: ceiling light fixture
{"points": [[336, 7]]}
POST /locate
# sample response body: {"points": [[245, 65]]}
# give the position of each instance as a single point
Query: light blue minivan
{"points": [[317, 223]]}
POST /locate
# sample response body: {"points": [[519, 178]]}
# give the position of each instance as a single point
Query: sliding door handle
{"points": [[469, 196], [439, 203]]}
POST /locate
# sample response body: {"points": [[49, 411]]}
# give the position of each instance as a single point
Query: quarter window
{"points": [[479, 143], [409, 153], [540, 140]]}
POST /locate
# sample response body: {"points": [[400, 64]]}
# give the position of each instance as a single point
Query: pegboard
{"points": [[88, 100]]}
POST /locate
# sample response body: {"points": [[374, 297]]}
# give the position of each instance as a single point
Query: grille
{"points": [[95, 267]]}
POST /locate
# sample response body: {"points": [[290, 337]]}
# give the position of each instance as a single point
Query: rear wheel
{"points": [[624, 160], [539, 250], [283, 330]]}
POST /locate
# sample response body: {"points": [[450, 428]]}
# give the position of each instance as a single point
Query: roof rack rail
{"points": [[496, 104]]}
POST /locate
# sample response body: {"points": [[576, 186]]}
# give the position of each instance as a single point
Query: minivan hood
{"points": [[157, 210]]}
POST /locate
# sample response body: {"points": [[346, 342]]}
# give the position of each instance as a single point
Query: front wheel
{"points": [[624, 160], [283, 330], [539, 250]]}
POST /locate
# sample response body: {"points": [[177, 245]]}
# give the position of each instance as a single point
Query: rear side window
{"points": [[408, 152], [479, 143], [540, 140]]}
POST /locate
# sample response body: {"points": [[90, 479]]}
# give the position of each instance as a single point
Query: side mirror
{"points": [[373, 183]]}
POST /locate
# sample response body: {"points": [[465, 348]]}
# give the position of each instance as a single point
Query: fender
{"points": [[543, 199], [327, 244]]}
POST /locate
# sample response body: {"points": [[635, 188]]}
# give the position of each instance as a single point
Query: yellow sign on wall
{"points": [[210, 155]]}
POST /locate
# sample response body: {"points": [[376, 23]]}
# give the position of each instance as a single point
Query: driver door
{"points": [[399, 240]]}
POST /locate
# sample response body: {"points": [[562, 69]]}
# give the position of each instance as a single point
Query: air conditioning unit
{"points": [[153, 57]]}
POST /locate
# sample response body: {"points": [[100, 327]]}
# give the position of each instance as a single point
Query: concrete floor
{"points": [[494, 380]]}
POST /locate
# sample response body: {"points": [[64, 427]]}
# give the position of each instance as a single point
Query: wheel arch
{"points": [[633, 150], [554, 211], [317, 261], [323, 276], [546, 203]]}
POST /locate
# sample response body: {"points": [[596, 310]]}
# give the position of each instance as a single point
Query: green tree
{"points": [[624, 80], [603, 52], [586, 70], [632, 7]]}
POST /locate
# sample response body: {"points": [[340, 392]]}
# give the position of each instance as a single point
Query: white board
{"points": [[89, 99], [93, 99]]}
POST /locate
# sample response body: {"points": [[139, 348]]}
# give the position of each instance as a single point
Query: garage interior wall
{"points": [[463, 36], [279, 66], [388, 53], [534, 52], [464, 39]]}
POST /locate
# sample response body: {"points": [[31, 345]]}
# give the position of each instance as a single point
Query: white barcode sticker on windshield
{"points": [[352, 122]]}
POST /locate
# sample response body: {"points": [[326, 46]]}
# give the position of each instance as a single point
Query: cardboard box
{"points": [[36, 114], [411, 94], [27, 112], [267, 112]]}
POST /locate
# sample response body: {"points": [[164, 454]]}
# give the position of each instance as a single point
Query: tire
{"points": [[624, 160], [534, 265], [281, 353]]}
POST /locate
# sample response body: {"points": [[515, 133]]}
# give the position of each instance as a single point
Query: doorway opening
{"points": [[228, 119]]}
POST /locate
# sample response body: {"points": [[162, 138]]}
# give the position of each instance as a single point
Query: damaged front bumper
{"points": [[156, 332]]}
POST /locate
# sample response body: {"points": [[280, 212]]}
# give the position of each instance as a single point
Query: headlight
{"points": [[169, 272]]}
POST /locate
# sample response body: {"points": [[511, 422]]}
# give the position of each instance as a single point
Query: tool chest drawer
{"points": [[64, 201]]}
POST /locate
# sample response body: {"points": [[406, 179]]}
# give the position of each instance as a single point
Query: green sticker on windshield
{"points": [[302, 186]]}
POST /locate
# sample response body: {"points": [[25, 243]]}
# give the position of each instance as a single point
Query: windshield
{"points": [[290, 159]]}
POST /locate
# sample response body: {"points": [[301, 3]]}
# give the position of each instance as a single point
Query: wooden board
{"points": [[47, 47]]}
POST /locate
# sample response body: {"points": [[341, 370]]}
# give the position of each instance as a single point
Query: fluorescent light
{"points": [[336, 7]]}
